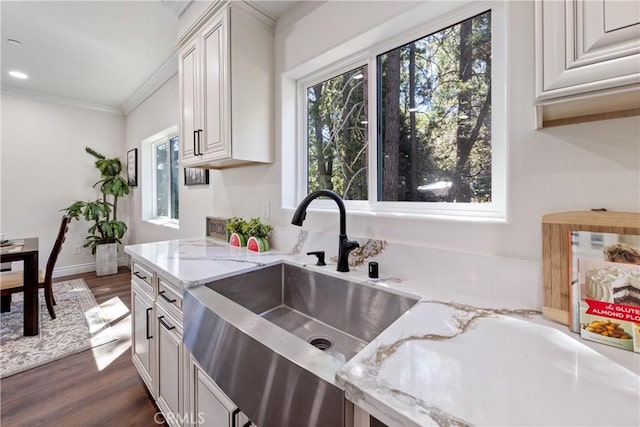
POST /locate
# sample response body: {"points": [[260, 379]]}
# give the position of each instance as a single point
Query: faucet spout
{"points": [[344, 244]]}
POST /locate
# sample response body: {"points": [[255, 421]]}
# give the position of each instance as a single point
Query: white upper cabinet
{"points": [[226, 88], [587, 59], [188, 109]]}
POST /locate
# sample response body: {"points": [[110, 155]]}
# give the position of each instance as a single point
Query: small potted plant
{"points": [[258, 233], [236, 226]]}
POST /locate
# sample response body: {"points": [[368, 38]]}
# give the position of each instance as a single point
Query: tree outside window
{"points": [[166, 156], [337, 139], [433, 103], [434, 97]]}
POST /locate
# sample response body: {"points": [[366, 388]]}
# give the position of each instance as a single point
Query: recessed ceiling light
{"points": [[14, 42], [18, 75]]}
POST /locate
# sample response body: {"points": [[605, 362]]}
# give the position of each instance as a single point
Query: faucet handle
{"points": [[320, 255]]}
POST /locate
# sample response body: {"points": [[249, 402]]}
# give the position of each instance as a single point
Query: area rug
{"points": [[79, 325]]}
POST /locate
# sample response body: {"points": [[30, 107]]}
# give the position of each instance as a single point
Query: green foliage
{"points": [[102, 213], [337, 135], [445, 115], [442, 131], [113, 185], [236, 225], [256, 228]]}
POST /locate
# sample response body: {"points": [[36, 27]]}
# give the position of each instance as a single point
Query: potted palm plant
{"points": [[106, 229]]}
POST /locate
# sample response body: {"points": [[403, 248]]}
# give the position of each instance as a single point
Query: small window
{"points": [[337, 139], [159, 178], [165, 155]]}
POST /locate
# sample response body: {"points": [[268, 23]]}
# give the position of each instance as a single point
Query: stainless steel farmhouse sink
{"points": [[274, 338]]}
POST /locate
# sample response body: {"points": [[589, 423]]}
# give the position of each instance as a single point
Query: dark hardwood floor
{"points": [[92, 388]]}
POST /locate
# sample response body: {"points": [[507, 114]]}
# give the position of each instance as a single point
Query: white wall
{"points": [[44, 168], [159, 112], [583, 166]]}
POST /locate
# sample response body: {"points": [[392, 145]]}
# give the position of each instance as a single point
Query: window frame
{"points": [[148, 171], [154, 187], [494, 211]]}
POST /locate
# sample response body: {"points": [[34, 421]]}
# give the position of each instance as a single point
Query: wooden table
{"points": [[29, 255]]}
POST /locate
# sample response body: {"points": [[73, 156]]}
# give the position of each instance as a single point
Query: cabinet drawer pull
{"points": [[148, 311], [165, 324], [199, 148], [166, 298], [234, 417], [137, 274], [195, 152]]}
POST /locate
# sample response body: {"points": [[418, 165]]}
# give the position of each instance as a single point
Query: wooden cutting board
{"points": [[556, 252]]}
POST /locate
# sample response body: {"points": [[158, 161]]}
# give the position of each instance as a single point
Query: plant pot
{"points": [[238, 239], [258, 244], [106, 259]]}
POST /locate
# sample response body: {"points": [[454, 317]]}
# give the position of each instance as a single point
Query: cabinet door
{"points": [[210, 407], [170, 368], [142, 329], [605, 30], [584, 46], [189, 104], [214, 50]]}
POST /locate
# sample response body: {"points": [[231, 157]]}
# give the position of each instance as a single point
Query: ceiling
{"points": [[102, 54]]}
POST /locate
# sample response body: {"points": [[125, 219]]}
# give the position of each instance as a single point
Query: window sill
{"points": [[364, 210], [170, 223]]}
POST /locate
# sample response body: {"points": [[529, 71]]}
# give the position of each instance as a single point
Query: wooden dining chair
{"points": [[12, 282]]}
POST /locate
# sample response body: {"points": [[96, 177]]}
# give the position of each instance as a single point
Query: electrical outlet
{"points": [[77, 249], [266, 210]]}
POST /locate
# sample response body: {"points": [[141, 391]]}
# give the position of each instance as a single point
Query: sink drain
{"points": [[320, 342]]}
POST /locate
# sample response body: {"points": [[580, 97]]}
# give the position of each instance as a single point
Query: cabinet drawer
{"points": [[142, 273], [167, 294]]}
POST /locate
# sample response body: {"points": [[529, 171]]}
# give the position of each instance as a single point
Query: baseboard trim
{"points": [[84, 268]]}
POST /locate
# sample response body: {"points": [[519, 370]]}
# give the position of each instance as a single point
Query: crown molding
{"points": [[61, 100], [177, 7], [167, 70]]}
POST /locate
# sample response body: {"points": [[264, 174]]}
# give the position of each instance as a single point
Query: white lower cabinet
{"points": [[142, 330], [182, 390], [170, 367], [210, 407]]}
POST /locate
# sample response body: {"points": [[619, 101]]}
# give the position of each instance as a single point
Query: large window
{"points": [[427, 105], [434, 97], [165, 155]]}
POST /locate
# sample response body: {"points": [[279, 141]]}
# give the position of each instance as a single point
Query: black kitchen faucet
{"points": [[344, 244]]}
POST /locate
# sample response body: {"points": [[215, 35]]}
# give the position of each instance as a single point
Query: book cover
{"points": [[609, 247], [609, 304]]}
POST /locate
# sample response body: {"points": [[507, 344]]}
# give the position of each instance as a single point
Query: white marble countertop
{"points": [[193, 262], [452, 359]]}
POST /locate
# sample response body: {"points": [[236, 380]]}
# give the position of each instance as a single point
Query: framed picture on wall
{"points": [[132, 167], [195, 176]]}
